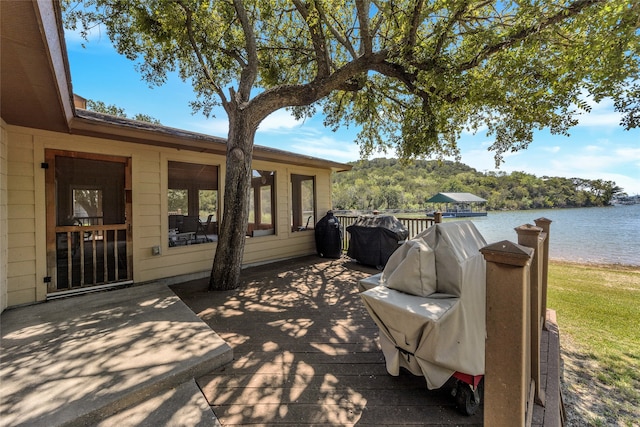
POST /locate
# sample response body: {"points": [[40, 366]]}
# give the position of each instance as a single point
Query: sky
{"points": [[597, 148]]}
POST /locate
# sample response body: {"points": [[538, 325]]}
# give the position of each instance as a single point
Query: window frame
{"points": [[298, 221], [192, 177], [261, 179]]}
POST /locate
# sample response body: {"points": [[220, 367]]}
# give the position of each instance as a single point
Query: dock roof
{"points": [[456, 198]]}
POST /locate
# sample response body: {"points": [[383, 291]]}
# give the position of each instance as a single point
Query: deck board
{"points": [[306, 353]]}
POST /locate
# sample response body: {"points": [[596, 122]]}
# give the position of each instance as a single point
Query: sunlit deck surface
{"points": [[306, 352]]}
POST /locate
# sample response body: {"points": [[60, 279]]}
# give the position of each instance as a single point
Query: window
{"points": [[178, 201], [303, 195], [261, 204], [192, 201], [89, 191], [87, 206]]}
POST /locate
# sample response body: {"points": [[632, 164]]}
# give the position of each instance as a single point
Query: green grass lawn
{"points": [[598, 310]]}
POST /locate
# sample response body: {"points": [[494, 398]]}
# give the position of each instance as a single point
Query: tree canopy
{"points": [[411, 74], [114, 110], [391, 184]]}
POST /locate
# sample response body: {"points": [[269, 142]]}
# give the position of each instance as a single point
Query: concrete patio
{"points": [[304, 353], [133, 352]]}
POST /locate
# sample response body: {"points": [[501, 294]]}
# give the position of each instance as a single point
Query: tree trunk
{"points": [[225, 273]]}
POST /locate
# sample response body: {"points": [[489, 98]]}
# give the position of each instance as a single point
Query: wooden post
{"points": [[530, 236], [545, 224], [508, 386]]}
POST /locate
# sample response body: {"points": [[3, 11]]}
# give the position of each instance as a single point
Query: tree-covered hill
{"points": [[390, 184]]}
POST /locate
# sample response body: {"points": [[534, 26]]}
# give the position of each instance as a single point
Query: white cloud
{"points": [[600, 119], [602, 160], [326, 147], [554, 149], [630, 185], [213, 126], [480, 159], [96, 36], [621, 166], [279, 121], [585, 163], [629, 153], [605, 104], [593, 148], [602, 114], [72, 36]]}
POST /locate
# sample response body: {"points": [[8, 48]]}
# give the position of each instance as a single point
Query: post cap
{"points": [[506, 252], [542, 219], [528, 229]]}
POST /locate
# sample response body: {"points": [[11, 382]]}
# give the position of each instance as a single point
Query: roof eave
{"points": [[35, 88], [51, 20], [36, 91], [90, 123]]}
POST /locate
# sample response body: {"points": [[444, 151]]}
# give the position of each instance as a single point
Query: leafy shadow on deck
{"points": [[306, 352]]}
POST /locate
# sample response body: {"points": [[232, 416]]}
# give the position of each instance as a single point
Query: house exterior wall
{"points": [[3, 216], [22, 227], [25, 252]]}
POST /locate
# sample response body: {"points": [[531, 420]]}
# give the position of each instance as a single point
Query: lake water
{"points": [[609, 235]]}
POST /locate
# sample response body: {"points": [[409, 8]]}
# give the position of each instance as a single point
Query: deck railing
{"points": [[414, 225], [515, 315], [91, 255]]}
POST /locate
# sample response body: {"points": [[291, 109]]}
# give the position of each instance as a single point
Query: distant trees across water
{"points": [[390, 184]]}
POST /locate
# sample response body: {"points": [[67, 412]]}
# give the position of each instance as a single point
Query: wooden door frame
{"points": [[51, 206]]}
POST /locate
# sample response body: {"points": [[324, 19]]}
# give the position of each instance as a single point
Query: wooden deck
{"points": [[306, 353]]}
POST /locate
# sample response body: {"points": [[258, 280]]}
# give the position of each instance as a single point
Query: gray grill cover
{"points": [[373, 238], [444, 332]]}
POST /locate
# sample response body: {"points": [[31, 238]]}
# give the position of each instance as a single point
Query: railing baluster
{"points": [[127, 251], [105, 245], [94, 257], [115, 254], [70, 258], [81, 237]]}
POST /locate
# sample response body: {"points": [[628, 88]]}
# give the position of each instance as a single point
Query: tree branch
{"points": [[560, 16], [362, 11], [342, 40], [408, 79], [317, 38], [196, 50], [449, 25], [415, 23], [306, 94], [250, 71]]}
